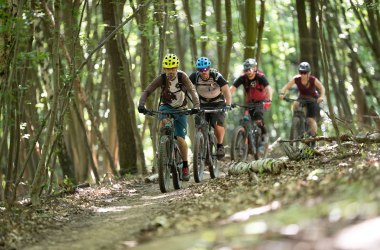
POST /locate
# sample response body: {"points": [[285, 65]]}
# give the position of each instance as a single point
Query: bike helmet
{"points": [[250, 63], [170, 61], [304, 67], [202, 63]]}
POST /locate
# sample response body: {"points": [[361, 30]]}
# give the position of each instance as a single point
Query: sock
{"points": [[219, 145], [184, 164]]}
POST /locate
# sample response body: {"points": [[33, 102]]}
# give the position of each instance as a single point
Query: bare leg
{"points": [[219, 133], [182, 148], [312, 126]]}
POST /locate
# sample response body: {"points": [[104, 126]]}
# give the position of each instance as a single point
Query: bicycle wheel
{"points": [[176, 167], [213, 166], [199, 157], [259, 154], [164, 163], [297, 131], [239, 146]]}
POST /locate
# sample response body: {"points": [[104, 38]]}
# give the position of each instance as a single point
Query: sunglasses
{"points": [[203, 70], [303, 72]]}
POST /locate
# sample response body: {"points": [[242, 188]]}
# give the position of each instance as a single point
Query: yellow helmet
{"points": [[170, 61]]}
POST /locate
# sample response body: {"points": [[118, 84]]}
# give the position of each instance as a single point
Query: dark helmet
{"points": [[249, 63], [202, 62], [304, 66]]}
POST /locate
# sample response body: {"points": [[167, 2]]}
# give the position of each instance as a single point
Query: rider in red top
{"points": [[256, 89], [309, 87]]}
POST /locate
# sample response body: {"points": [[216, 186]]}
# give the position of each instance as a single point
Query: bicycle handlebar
{"points": [[211, 110], [160, 112], [254, 105], [299, 100]]}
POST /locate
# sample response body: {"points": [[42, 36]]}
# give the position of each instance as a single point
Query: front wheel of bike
{"points": [[176, 167], [164, 163], [213, 165], [259, 144], [297, 131], [199, 157], [239, 146]]}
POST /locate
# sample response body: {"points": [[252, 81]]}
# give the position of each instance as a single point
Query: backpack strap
{"points": [[179, 76]]}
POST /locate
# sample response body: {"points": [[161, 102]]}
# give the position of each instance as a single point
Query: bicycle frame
{"points": [[169, 158], [300, 124], [250, 132], [204, 151]]}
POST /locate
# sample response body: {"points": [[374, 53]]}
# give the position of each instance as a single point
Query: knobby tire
{"points": [[164, 164], [214, 164], [199, 157], [175, 169], [239, 146]]}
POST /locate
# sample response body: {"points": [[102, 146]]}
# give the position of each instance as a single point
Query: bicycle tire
{"points": [[176, 169], [239, 146], [199, 157], [164, 164], [258, 138], [214, 164], [296, 132]]}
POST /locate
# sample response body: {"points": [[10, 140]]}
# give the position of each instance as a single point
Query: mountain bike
{"points": [[247, 137], [205, 147], [169, 157], [300, 125]]}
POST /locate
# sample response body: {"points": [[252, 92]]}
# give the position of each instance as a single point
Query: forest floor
{"points": [[329, 202]]}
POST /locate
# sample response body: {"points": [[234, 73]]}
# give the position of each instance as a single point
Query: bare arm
{"points": [[285, 89], [269, 92], [321, 90], [232, 89], [227, 94]]}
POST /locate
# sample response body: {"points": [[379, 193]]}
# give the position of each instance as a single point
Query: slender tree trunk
{"points": [[203, 27], [250, 28], [220, 33], [314, 40], [325, 70], [303, 32], [229, 33], [41, 168], [193, 38], [127, 146], [260, 30]]}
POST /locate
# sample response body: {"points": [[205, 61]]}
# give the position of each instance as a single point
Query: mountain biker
{"points": [[310, 88], [174, 85], [257, 89], [213, 92]]}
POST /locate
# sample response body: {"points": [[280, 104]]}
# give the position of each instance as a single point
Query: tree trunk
{"points": [[250, 29], [314, 40], [229, 33], [260, 30], [193, 38], [127, 144], [303, 32], [41, 168]]}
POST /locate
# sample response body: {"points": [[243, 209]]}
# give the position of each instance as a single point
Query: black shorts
{"points": [[213, 118], [312, 109], [256, 115]]}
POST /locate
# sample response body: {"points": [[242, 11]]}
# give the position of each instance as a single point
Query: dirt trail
{"points": [[306, 206]]}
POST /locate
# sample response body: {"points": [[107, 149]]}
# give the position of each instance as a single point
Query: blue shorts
{"points": [[180, 121]]}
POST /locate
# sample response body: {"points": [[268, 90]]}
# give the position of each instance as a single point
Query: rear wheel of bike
{"points": [[176, 168], [213, 166], [164, 163], [199, 157], [259, 144], [239, 146], [297, 131]]}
